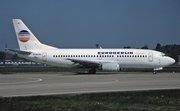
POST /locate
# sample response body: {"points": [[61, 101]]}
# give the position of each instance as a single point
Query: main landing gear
{"points": [[154, 72], [92, 71]]}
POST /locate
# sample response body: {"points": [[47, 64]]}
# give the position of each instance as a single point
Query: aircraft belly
{"points": [[136, 64], [61, 63]]}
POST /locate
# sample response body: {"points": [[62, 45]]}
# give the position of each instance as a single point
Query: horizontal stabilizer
{"points": [[19, 51]]}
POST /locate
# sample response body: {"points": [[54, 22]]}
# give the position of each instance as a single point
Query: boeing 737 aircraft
{"points": [[104, 59]]}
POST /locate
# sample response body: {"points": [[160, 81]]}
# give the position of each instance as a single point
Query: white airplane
{"points": [[104, 59]]}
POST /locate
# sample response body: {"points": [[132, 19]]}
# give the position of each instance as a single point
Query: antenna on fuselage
{"points": [[97, 46]]}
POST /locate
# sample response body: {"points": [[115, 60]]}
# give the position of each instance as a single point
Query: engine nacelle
{"points": [[111, 67]]}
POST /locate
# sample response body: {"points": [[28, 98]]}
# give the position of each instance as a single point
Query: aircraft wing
{"points": [[85, 63], [19, 51]]}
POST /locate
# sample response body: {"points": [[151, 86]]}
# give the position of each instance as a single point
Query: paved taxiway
{"points": [[27, 84]]}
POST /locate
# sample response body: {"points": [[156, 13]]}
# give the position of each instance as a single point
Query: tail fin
{"points": [[26, 39]]}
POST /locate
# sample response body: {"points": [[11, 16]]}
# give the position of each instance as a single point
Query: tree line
{"points": [[170, 50]]}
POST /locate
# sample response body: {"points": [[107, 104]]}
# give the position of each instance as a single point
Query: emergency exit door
{"points": [[44, 56]]}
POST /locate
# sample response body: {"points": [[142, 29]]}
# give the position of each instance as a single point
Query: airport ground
{"points": [[20, 69], [80, 91]]}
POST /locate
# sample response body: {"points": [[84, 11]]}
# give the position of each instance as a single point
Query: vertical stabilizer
{"points": [[26, 39]]}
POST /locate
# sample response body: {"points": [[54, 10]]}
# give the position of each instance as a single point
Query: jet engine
{"points": [[110, 67]]}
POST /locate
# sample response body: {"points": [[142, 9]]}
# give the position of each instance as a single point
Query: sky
{"points": [[84, 23]]}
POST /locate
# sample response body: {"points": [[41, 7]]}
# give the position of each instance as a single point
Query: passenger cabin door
{"points": [[44, 56], [150, 57]]}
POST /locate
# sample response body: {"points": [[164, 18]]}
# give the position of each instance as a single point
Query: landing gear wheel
{"points": [[154, 72], [92, 71]]}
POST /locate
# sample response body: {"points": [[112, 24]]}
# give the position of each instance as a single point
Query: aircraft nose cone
{"points": [[166, 61], [172, 61]]}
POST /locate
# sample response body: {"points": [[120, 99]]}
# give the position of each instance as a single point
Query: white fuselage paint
{"points": [[137, 59]]}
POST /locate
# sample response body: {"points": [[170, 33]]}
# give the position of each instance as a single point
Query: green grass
{"points": [[5, 70], [38, 69], [163, 100]]}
